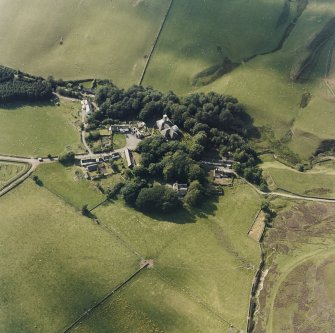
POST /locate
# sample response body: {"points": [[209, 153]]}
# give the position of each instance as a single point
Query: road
{"points": [[34, 163]]}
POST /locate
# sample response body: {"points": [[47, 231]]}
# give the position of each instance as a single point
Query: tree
{"points": [[84, 210], [159, 198], [195, 194], [131, 190], [37, 180], [67, 157]]}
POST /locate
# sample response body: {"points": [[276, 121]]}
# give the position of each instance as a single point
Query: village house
{"points": [[167, 128], [181, 189]]}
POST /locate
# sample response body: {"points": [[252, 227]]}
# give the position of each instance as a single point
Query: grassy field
{"points": [[10, 171], [54, 263], [39, 129], [203, 261], [241, 29], [100, 39], [298, 292], [69, 184], [119, 141], [320, 181]]}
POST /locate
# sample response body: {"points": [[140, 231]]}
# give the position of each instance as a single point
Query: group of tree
{"points": [[14, 86], [214, 121], [147, 197]]}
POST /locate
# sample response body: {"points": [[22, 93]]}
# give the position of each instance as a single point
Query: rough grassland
{"points": [[298, 293], [320, 181], [54, 263], [101, 38], [39, 129], [10, 171], [204, 258], [262, 84]]}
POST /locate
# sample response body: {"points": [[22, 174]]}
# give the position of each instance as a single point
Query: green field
{"points": [[9, 171], [119, 141], [297, 292], [101, 39], [203, 260], [242, 29], [69, 184], [186, 48], [39, 129], [54, 262], [319, 182]]}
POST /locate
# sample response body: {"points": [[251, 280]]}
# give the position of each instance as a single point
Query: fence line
{"points": [[103, 300], [155, 43]]}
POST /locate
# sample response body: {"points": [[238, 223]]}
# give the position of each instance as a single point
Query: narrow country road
{"points": [[34, 163]]}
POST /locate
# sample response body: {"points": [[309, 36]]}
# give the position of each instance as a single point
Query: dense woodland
{"points": [[15, 86]]}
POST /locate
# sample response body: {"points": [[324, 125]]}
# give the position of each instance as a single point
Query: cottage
{"points": [[181, 189], [167, 128]]}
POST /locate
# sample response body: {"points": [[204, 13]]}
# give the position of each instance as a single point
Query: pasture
{"points": [[318, 182], [263, 84], [39, 129], [54, 262], [10, 171], [204, 261], [69, 184], [80, 39], [297, 292]]}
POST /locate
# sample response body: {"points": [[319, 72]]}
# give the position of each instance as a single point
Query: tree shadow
{"points": [[21, 104]]}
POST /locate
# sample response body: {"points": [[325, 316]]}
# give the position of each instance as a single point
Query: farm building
{"points": [[137, 133], [223, 173], [167, 129], [181, 189], [129, 158], [92, 167], [120, 128], [86, 106], [113, 156]]}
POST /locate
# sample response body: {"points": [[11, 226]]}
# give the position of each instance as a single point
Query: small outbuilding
{"points": [[181, 189]]}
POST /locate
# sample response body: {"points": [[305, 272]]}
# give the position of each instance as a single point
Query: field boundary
{"points": [[155, 43], [253, 293], [84, 315], [12, 179]]}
